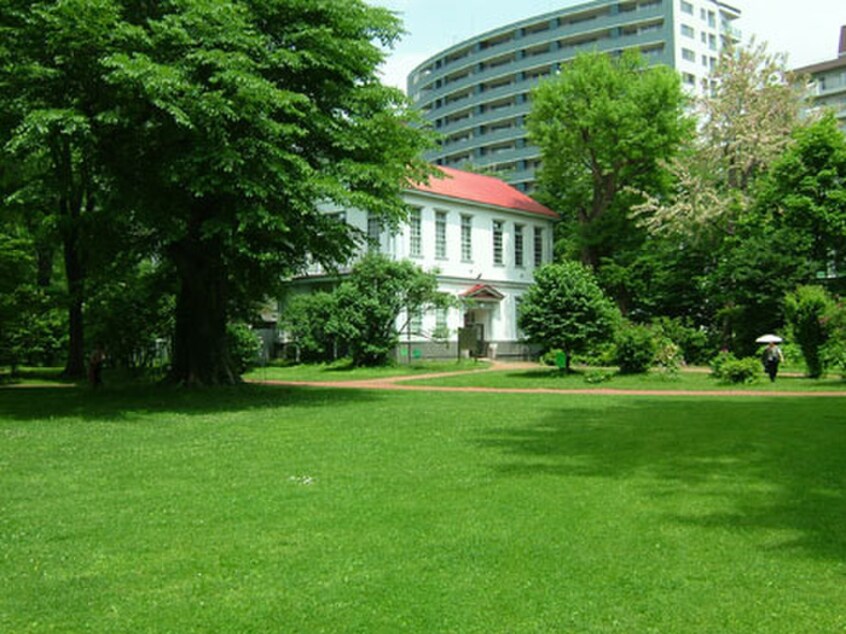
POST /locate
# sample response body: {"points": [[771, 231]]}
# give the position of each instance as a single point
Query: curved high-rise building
{"points": [[476, 93]]}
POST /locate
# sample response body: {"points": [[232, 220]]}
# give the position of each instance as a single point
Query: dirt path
{"points": [[405, 383]]}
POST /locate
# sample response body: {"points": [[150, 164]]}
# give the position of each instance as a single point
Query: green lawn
{"points": [[699, 379], [267, 509], [343, 371]]}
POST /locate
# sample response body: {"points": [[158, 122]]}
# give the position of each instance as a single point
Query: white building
{"points": [[484, 237], [829, 82]]}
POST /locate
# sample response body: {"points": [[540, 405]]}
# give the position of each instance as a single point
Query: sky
{"points": [[807, 30]]}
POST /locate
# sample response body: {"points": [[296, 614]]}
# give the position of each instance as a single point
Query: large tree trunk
{"points": [[75, 273], [200, 351]]}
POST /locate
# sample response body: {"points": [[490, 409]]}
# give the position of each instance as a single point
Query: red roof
{"points": [[482, 291], [481, 189]]}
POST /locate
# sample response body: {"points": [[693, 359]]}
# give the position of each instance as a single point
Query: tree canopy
{"points": [[604, 126], [565, 308], [214, 129]]}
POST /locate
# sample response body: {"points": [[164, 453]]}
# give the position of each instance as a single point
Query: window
{"points": [[712, 41], [415, 323], [415, 247], [712, 19], [687, 7], [689, 79], [687, 31], [518, 245], [440, 318], [688, 55], [538, 237], [440, 235], [374, 231], [497, 242], [466, 238]]}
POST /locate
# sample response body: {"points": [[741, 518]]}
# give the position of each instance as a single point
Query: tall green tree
{"points": [[566, 308], [232, 122], [604, 126], [805, 193], [212, 130], [50, 100]]}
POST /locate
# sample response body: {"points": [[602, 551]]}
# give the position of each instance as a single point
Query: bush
{"points": [[669, 359], [695, 343], [636, 348], [554, 357], [244, 346], [729, 369], [809, 310]]}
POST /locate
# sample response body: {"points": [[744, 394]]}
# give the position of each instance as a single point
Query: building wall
{"points": [[456, 275], [476, 93], [828, 87]]}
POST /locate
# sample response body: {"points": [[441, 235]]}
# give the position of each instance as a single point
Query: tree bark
{"points": [[200, 351], [75, 273]]}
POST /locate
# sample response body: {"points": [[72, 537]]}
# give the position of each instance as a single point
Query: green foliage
{"points": [[834, 351], [362, 313], [804, 193], [555, 358], [694, 344], [32, 330], [131, 315], [565, 308], [727, 368], [243, 346], [213, 129], [605, 124], [310, 320], [636, 348], [808, 310]]}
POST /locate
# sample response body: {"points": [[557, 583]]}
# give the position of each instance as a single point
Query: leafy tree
{"points": [[808, 310], [213, 129], [50, 92], [232, 122], [805, 193], [371, 300], [565, 308], [310, 320], [605, 125], [745, 125]]}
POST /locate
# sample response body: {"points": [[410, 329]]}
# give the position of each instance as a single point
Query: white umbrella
{"points": [[768, 339]]}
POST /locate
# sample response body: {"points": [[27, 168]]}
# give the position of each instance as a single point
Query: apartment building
{"points": [[829, 82], [476, 93]]}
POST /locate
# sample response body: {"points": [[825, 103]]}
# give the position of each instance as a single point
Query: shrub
{"points": [[554, 357], [695, 343], [244, 346], [669, 359], [808, 311], [636, 348], [729, 369]]}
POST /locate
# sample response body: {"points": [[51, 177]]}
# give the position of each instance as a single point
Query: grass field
{"points": [[267, 509], [699, 379]]}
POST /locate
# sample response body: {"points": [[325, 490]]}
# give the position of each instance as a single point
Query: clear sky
{"points": [[807, 30]]}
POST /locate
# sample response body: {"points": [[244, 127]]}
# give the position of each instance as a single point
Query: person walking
{"points": [[95, 366], [772, 357]]}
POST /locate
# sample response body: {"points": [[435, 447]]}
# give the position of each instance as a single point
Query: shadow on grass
{"points": [[128, 402], [761, 466]]}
